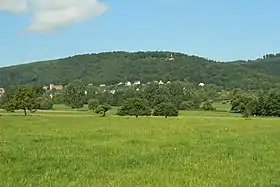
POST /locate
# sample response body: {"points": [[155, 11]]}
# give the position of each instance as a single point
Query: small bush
{"points": [[93, 104], [102, 109], [208, 106]]}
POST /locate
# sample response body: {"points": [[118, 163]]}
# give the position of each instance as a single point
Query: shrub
{"points": [[207, 106], [165, 109], [93, 104], [102, 109]]}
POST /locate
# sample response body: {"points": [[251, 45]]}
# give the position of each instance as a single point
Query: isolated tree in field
{"points": [[74, 94], [24, 99], [102, 109], [135, 107], [165, 109], [93, 104], [207, 105]]}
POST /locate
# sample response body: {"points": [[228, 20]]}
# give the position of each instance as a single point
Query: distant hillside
{"points": [[114, 67], [270, 64]]}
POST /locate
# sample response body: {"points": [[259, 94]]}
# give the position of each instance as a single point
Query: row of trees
{"points": [[143, 100], [182, 95], [135, 107], [264, 103], [153, 98]]}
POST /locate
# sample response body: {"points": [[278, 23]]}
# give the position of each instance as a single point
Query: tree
{"points": [[44, 103], [239, 101], [135, 107], [102, 109], [24, 99], [269, 103], [165, 109], [93, 104], [74, 94], [207, 106]]}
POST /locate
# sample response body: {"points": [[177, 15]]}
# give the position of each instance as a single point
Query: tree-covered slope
{"points": [[269, 64], [115, 67]]}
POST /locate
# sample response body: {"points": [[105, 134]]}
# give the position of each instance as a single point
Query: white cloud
{"points": [[15, 6], [49, 15]]}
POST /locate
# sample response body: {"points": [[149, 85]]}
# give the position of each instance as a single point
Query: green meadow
{"points": [[64, 147]]}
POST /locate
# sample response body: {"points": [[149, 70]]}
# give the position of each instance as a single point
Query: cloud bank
{"points": [[50, 15]]}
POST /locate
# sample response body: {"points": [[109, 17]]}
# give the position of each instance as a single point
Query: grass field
{"points": [[77, 148]]}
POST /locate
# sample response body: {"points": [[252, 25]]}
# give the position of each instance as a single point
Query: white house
{"points": [[128, 83], [171, 57], [201, 84], [136, 83], [102, 85]]}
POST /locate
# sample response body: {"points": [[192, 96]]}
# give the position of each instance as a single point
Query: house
{"points": [[171, 57], [2, 91], [128, 83], [137, 83], [201, 84], [56, 87]]}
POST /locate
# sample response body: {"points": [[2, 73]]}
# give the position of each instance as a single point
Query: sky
{"points": [[223, 30]]}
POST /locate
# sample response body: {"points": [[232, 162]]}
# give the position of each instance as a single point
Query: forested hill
{"points": [[115, 67]]}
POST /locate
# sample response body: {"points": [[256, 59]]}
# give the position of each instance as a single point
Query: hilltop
{"points": [[115, 67]]}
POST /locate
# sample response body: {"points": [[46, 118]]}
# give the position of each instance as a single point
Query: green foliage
{"points": [[207, 105], [93, 104], [269, 103], [23, 99], [266, 103], [74, 94], [115, 67], [44, 102], [187, 105], [58, 99], [102, 109], [135, 107], [239, 101], [165, 109]]}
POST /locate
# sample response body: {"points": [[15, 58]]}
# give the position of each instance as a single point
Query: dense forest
{"points": [[114, 67]]}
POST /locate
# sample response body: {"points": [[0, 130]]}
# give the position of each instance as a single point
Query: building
{"points": [[2, 91], [56, 87]]}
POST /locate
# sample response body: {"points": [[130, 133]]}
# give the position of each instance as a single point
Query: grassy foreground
{"points": [[196, 149]]}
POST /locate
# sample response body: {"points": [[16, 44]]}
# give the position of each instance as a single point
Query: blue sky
{"points": [[216, 29]]}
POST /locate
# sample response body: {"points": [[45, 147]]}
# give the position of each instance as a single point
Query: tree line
{"points": [[143, 99]]}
